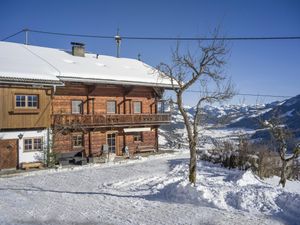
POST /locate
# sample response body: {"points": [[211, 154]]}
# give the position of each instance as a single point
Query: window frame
{"points": [[115, 105], [81, 108], [160, 107], [109, 141], [133, 106], [82, 140], [137, 137], [26, 101], [33, 149]]}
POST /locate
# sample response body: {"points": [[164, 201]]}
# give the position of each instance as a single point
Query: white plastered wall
{"points": [[32, 156]]}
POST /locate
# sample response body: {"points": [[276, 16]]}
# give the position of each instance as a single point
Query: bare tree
{"points": [[281, 135], [202, 69]]}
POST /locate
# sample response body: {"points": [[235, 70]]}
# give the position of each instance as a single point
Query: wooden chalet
{"points": [[68, 101]]}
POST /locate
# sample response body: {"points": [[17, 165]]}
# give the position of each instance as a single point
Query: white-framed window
{"points": [[77, 107], [111, 107], [33, 144], [26, 101], [77, 140], [137, 107], [138, 137]]}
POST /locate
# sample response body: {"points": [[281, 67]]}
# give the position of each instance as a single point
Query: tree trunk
{"points": [[193, 163], [283, 175], [191, 139]]}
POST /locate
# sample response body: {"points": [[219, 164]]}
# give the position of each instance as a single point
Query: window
{"points": [[111, 106], [160, 107], [33, 144], [26, 101], [111, 142], [32, 101], [20, 101], [137, 107], [77, 107], [137, 137], [77, 140]]}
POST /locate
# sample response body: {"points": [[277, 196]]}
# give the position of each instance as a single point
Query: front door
{"points": [[8, 153], [111, 142]]}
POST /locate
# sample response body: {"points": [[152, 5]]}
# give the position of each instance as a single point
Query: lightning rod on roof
{"points": [[118, 41]]}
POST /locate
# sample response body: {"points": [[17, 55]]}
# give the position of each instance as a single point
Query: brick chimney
{"points": [[78, 49]]}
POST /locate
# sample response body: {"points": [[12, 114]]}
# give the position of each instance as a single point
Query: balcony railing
{"points": [[107, 120]]}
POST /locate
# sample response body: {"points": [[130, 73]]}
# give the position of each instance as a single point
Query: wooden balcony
{"points": [[108, 120]]}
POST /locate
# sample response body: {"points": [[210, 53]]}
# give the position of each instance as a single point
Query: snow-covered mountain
{"points": [[287, 111], [228, 120]]}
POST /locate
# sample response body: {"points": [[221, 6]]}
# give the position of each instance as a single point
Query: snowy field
{"points": [[150, 190]]}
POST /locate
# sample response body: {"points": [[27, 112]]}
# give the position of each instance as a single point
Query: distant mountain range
{"points": [[236, 117], [287, 111]]}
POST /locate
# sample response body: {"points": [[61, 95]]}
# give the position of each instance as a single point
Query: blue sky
{"points": [[260, 67]]}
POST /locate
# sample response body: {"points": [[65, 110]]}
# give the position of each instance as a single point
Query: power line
{"points": [[172, 38], [259, 95], [4, 39], [248, 94], [211, 38], [71, 35], [162, 38]]}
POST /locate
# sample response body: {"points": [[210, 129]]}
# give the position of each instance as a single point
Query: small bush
{"points": [[259, 157]]}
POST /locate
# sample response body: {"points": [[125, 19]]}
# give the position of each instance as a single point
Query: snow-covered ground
{"points": [[150, 190], [171, 138]]}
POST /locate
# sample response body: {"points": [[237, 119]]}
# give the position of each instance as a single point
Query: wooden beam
{"points": [[91, 89], [158, 91], [127, 89], [156, 138]]}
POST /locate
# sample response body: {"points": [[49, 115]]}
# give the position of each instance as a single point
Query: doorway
{"points": [[111, 142], [8, 153]]}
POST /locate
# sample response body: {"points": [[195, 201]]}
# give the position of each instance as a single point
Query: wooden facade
{"points": [[95, 97], [63, 142], [93, 127], [12, 117], [94, 123]]}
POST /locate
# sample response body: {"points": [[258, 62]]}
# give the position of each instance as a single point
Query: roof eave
{"points": [[31, 82], [118, 82]]}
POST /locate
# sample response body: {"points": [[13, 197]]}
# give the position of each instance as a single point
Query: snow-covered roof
{"points": [[19, 62]]}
